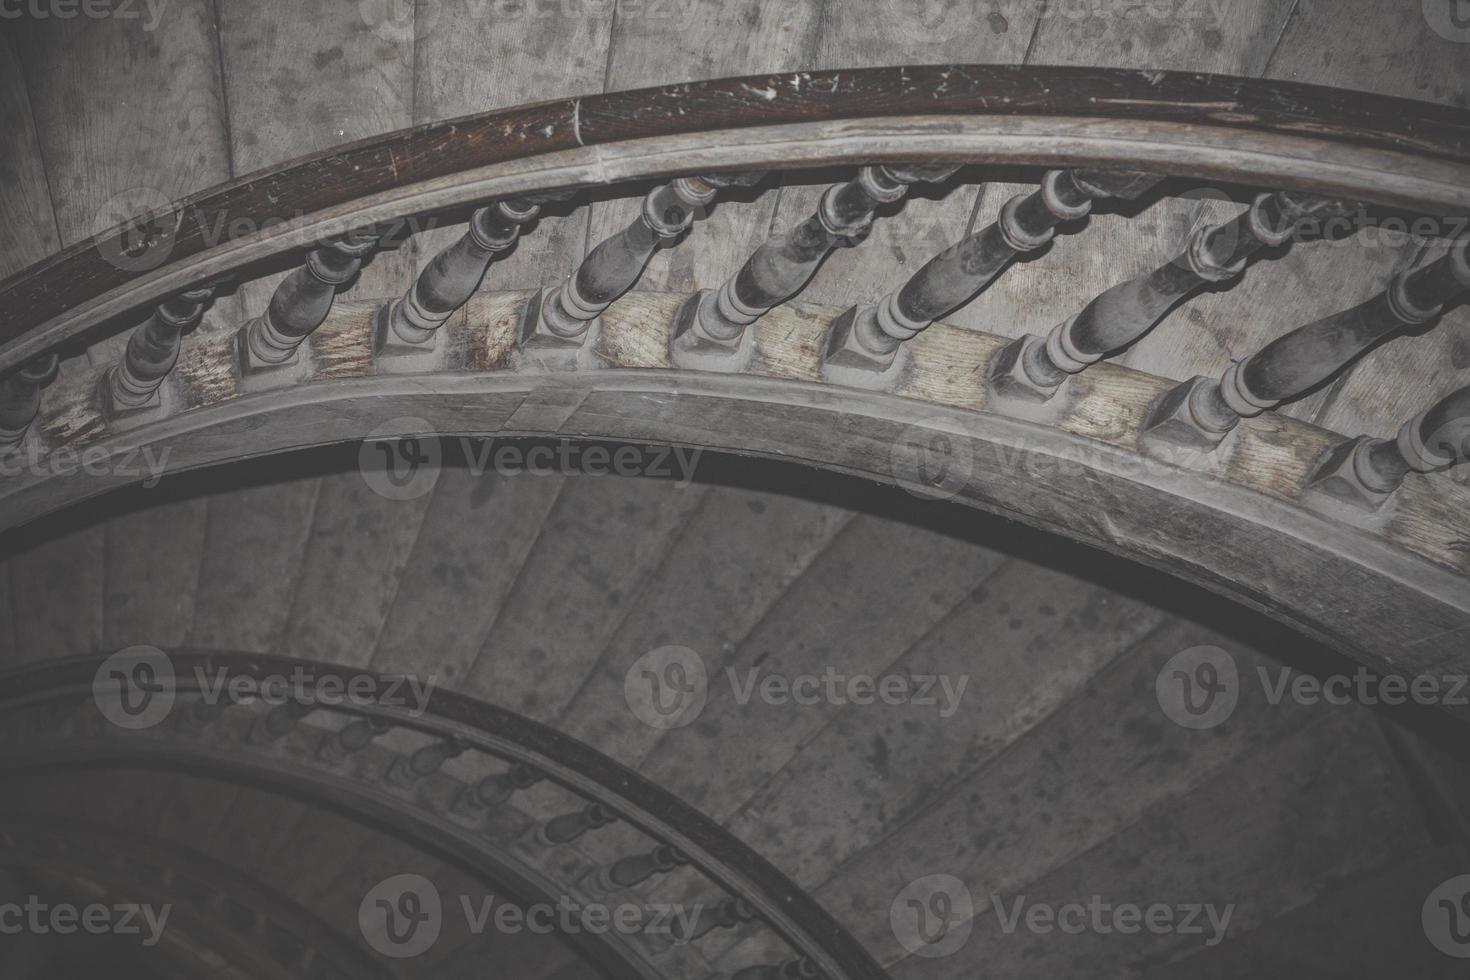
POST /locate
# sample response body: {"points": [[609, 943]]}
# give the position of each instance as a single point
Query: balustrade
{"points": [[20, 400]]}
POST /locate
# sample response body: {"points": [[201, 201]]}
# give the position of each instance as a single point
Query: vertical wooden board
{"points": [[740, 552], [25, 198], [129, 116], [1092, 770], [311, 75], [255, 542], [152, 576], [471, 546], [877, 590], [858, 33], [60, 587], [1121, 240], [597, 547], [1394, 50], [475, 56], [360, 542], [1237, 841], [658, 44], [1028, 640], [1371, 926]]}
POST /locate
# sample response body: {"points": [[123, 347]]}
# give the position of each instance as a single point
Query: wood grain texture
{"points": [[474, 57], [25, 198], [128, 118]]}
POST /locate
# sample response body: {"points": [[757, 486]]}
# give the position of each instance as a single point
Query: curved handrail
{"points": [[1369, 147], [466, 721]]}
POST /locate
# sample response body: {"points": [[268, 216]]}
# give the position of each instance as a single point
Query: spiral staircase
{"points": [[1010, 378]]}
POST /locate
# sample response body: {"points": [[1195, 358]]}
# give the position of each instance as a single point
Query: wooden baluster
{"points": [[1032, 368], [868, 336], [410, 324], [425, 762], [638, 868], [279, 721], [800, 968], [350, 738], [710, 329], [20, 399], [493, 791], [1201, 411], [569, 826], [1367, 471], [153, 349], [562, 315], [300, 303], [726, 914]]}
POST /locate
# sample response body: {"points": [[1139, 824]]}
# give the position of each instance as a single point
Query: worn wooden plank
{"points": [[25, 198], [1098, 763], [472, 58], [129, 117], [844, 614], [153, 562], [360, 542], [1236, 840], [705, 39], [255, 540], [470, 549], [1030, 638], [597, 547], [62, 592], [329, 73]]}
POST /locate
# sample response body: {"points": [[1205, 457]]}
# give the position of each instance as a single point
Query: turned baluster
{"points": [[426, 761], [451, 277], [726, 914], [152, 352], [869, 336], [713, 322], [801, 968], [20, 399], [301, 302], [569, 826], [280, 720], [1367, 471], [352, 737], [1201, 412], [493, 791], [638, 868], [1033, 368], [560, 316]]}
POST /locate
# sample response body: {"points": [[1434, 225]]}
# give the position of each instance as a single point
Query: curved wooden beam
{"points": [[1283, 135]]}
